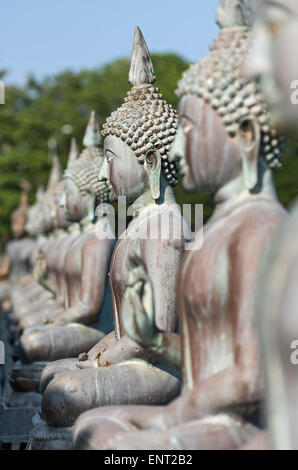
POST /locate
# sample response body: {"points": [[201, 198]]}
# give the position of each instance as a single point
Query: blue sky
{"points": [[46, 36]]}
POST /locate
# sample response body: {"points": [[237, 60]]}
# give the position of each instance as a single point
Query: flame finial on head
{"points": [[74, 152], [40, 193], [56, 174], [141, 68], [84, 169], [145, 121], [92, 135]]}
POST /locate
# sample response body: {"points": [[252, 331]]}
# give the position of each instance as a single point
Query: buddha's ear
{"points": [[91, 203], [152, 166], [249, 138]]}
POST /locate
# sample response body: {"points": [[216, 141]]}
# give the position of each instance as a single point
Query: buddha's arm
{"points": [[40, 271], [111, 351], [241, 383], [26, 281], [95, 262], [5, 268], [47, 285], [140, 327], [162, 259], [169, 350], [148, 309], [228, 388]]}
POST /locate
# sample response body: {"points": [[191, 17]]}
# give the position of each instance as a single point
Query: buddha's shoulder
{"points": [[261, 215]]}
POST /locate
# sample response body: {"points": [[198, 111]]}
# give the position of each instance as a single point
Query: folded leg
{"points": [[51, 342], [130, 382], [112, 429]]}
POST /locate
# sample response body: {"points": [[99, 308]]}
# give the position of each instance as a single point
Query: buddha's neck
{"points": [[41, 237], [24, 199], [234, 192], [59, 231], [86, 224], [74, 228], [145, 200]]}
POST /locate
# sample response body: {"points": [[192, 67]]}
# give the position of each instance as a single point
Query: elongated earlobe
{"points": [[91, 206], [152, 166], [249, 138]]}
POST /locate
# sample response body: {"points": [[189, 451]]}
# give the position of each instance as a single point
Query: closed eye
{"points": [[275, 27], [187, 125], [276, 17], [109, 155]]}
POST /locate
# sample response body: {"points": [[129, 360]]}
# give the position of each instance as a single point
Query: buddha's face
{"points": [[18, 226], [34, 223], [208, 157], [48, 215], [273, 59], [61, 217], [74, 204], [121, 171], [62, 222]]}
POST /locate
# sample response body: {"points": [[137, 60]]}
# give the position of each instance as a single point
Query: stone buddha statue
{"points": [[28, 286], [29, 301], [225, 146], [16, 262], [271, 62], [44, 293], [85, 261], [138, 138]]}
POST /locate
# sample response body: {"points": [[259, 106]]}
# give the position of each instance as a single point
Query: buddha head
{"points": [[20, 214], [273, 59], [224, 127], [139, 134], [35, 221], [47, 207], [82, 190]]}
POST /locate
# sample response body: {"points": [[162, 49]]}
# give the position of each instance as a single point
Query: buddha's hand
{"points": [[149, 418], [40, 266], [138, 307], [70, 315]]}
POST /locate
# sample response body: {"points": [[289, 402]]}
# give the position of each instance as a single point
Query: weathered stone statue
{"points": [[37, 296], [277, 311], [272, 60], [272, 63], [225, 146], [16, 407], [29, 301], [16, 263], [84, 260], [138, 137]]}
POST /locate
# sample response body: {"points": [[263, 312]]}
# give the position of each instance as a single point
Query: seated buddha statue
{"points": [[85, 259], [227, 147], [271, 63], [30, 299], [138, 138], [16, 265], [45, 292], [28, 287]]}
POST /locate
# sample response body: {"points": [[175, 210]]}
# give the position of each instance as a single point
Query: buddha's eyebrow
{"points": [[111, 151], [277, 4], [185, 116]]}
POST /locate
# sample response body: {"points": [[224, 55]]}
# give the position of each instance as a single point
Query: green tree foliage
{"points": [[41, 109]]}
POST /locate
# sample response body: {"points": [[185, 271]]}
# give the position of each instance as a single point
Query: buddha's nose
{"points": [[104, 172], [62, 201], [258, 61], [178, 148]]}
